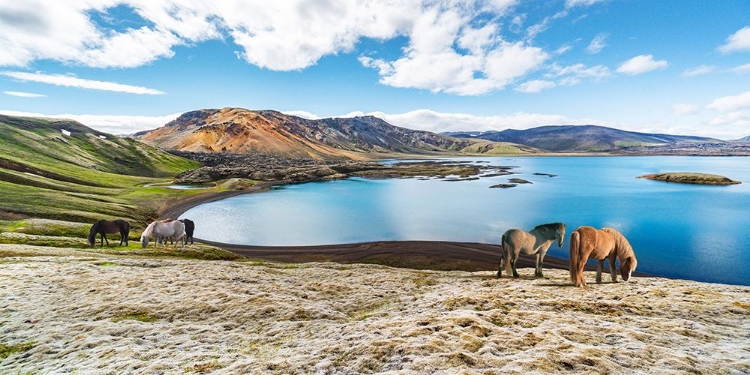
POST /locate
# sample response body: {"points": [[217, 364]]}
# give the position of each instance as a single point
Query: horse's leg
{"points": [[502, 262], [599, 268], [513, 259], [612, 269], [538, 265], [540, 261]]}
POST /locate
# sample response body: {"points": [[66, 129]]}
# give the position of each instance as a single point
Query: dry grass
{"points": [[128, 315]]}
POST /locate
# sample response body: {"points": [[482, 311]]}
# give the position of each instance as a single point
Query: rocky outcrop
{"points": [[286, 170]]}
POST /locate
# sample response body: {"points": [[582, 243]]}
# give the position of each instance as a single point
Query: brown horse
{"points": [[538, 241], [103, 227], [605, 244]]}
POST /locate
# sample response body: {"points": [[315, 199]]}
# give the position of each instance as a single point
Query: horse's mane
{"points": [[550, 226], [622, 246], [149, 230]]}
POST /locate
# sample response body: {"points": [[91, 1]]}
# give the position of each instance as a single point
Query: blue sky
{"points": [[669, 66]]}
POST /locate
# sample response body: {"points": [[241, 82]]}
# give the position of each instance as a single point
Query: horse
{"points": [[189, 229], [516, 241], [588, 242], [164, 230], [103, 227]]}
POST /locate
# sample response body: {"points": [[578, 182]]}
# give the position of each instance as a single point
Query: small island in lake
{"points": [[691, 178]]}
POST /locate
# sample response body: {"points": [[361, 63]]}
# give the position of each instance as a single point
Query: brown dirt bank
{"points": [[432, 255]]}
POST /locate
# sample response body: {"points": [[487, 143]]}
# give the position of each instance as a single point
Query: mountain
{"points": [[237, 130], [744, 139], [63, 169], [578, 138]]}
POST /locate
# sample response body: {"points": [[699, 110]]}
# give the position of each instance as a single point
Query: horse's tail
{"points": [[575, 255]]}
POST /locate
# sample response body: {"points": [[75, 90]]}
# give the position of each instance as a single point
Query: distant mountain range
{"points": [[580, 138], [237, 130]]}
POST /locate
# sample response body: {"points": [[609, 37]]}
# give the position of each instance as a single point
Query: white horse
{"points": [[163, 230], [516, 241]]}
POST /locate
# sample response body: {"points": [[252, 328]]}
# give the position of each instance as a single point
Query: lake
{"points": [[685, 231]]}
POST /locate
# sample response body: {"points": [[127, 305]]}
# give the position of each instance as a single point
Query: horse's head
{"points": [[144, 241], [627, 266], [560, 234], [92, 234]]}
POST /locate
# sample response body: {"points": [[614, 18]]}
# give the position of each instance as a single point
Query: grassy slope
{"points": [[82, 176]]}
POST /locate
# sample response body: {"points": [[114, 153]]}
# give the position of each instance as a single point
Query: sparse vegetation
{"points": [[82, 177], [6, 350], [138, 315], [691, 178]]}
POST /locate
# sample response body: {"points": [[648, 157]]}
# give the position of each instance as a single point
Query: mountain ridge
{"points": [[581, 138], [238, 130]]}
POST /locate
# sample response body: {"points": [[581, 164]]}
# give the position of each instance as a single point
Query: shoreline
{"points": [[423, 255]]}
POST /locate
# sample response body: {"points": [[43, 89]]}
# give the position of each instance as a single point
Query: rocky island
{"points": [[691, 178], [222, 166]]}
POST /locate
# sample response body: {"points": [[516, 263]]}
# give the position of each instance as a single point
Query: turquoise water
{"points": [[684, 231]]}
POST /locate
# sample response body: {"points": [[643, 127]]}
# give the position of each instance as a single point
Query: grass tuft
{"points": [[6, 350]]}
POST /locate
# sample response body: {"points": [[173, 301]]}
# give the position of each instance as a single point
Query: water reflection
{"points": [[691, 231]]}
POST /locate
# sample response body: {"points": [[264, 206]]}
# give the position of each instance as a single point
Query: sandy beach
{"points": [[84, 313]]}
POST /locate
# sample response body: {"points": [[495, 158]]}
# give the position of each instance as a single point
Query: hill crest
{"points": [[267, 132], [580, 138]]}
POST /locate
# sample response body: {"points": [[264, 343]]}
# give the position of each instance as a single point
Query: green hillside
{"points": [[61, 169]]}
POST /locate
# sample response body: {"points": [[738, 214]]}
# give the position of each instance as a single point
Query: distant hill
{"points": [[745, 139], [578, 138], [237, 130], [48, 167]]}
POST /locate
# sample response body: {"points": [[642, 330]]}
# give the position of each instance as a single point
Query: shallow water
{"points": [[685, 231]]}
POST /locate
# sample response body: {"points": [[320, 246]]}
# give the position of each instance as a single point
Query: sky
{"points": [[121, 66]]}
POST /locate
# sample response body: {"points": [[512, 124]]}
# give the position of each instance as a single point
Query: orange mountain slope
{"points": [[238, 130]]}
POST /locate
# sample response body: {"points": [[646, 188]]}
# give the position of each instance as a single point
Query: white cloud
{"points": [[303, 114], [425, 119], [698, 70], [453, 46], [739, 41], [583, 3], [683, 109], [597, 44], [731, 103], [564, 76], [112, 124], [641, 64], [536, 85], [742, 69], [23, 94], [70, 81]]}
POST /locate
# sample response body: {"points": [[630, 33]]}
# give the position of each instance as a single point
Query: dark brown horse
{"points": [[189, 229], [103, 227]]}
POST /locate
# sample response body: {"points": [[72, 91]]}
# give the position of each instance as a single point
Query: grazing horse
{"points": [[103, 227], [164, 230], [588, 242], [189, 229], [516, 241]]}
